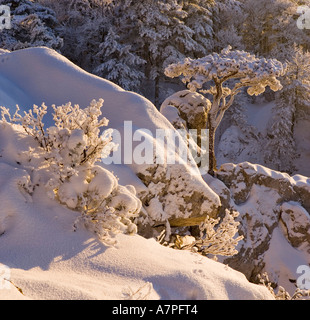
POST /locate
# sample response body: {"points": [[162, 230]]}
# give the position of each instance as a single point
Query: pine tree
{"points": [[291, 105], [158, 32], [280, 147], [228, 17], [119, 63], [83, 25], [297, 80], [129, 41], [245, 69], [161, 32], [31, 25], [199, 20], [270, 28]]}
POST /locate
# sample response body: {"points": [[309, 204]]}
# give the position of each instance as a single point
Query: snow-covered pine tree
{"points": [[157, 30], [280, 148], [297, 81], [119, 63], [160, 32], [245, 69], [31, 25], [292, 104], [228, 16], [270, 29], [82, 25], [199, 19], [96, 33]]}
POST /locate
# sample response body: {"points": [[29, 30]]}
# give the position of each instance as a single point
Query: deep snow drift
{"points": [[46, 256]]}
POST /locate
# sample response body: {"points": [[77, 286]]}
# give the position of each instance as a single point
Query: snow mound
{"points": [[48, 260], [36, 75]]}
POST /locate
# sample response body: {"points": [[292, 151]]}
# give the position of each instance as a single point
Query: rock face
{"points": [[176, 195], [269, 202], [296, 221]]}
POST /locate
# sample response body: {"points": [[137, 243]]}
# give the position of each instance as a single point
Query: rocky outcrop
{"points": [[296, 221], [240, 179], [176, 195], [267, 201]]}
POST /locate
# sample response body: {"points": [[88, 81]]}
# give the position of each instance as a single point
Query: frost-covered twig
{"points": [[217, 237], [32, 122], [219, 240]]}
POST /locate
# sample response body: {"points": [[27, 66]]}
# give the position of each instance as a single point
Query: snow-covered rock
{"points": [[274, 208]]}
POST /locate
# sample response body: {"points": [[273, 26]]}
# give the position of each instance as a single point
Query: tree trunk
{"points": [[156, 94], [212, 159]]}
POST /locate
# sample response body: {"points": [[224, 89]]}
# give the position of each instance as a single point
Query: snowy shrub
{"points": [[68, 153], [216, 237], [282, 293], [219, 240]]}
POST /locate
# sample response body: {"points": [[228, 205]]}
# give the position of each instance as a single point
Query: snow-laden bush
{"points": [[219, 240], [66, 163], [216, 236]]}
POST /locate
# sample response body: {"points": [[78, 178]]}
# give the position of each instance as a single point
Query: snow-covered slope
{"points": [[47, 258], [36, 75]]}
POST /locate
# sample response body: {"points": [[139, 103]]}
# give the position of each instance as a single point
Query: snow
{"points": [[258, 115], [48, 258], [50, 261], [282, 260]]}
